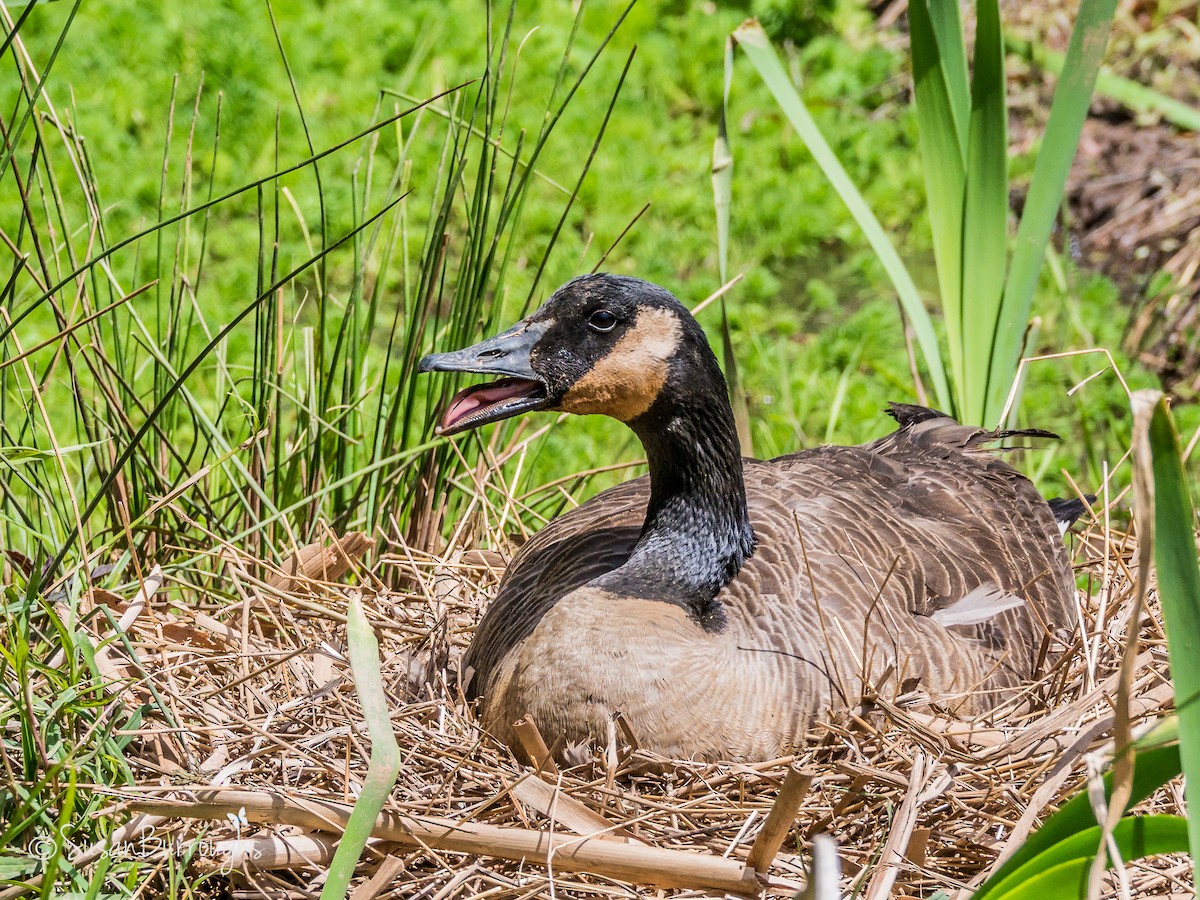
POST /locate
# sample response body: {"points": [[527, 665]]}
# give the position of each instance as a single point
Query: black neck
{"points": [[697, 531]]}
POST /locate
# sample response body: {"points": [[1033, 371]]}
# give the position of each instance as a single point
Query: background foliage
{"points": [[814, 318]]}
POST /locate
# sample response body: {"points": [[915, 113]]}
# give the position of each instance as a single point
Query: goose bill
{"points": [[492, 402]]}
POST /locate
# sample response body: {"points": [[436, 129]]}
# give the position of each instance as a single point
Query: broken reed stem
{"points": [[780, 819], [534, 745], [565, 810], [628, 862], [389, 870], [903, 824], [295, 851]]}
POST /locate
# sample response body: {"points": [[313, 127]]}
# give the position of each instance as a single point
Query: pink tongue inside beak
{"points": [[470, 399]]}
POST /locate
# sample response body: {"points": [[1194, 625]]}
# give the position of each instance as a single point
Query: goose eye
{"points": [[602, 320]]}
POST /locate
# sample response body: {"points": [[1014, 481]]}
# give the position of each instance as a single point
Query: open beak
{"points": [[519, 390]]}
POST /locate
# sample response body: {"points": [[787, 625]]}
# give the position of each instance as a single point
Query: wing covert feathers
{"points": [[983, 603]]}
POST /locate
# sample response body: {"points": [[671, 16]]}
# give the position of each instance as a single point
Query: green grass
{"points": [[385, 752], [812, 289]]}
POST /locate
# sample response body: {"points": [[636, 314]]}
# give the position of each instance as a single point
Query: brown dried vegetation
{"points": [[256, 695]]}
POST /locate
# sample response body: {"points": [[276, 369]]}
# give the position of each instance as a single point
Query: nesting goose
{"points": [[721, 604]]}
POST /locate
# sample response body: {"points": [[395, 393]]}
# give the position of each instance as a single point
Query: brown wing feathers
{"points": [[877, 536]]}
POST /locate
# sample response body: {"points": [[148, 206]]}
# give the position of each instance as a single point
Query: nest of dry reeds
{"points": [[256, 701]]}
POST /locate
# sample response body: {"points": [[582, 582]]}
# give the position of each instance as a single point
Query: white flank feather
{"points": [[981, 604]]}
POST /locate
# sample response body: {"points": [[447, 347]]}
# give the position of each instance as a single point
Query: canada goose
{"points": [[719, 604]]}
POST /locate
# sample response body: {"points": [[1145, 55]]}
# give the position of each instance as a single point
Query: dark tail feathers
{"points": [[1067, 509], [909, 414]]}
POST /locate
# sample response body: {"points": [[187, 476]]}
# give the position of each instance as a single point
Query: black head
{"points": [[603, 344]]}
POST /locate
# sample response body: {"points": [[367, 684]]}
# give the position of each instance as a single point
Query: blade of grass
{"points": [[757, 46], [552, 117], [1135, 95], [839, 394], [943, 158], [1156, 765], [1062, 868], [16, 27], [722, 184], [583, 172], [985, 213], [1072, 98], [385, 753], [945, 21], [722, 169], [1170, 525], [31, 97]]}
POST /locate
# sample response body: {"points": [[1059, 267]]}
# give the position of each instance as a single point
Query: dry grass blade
{"points": [[388, 871], [1122, 782], [903, 826], [320, 561], [567, 811]]}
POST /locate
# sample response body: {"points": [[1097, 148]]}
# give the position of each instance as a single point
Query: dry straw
{"points": [[259, 750]]}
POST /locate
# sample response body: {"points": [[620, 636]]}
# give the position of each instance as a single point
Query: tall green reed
{"points": [[155, 406], [986, 282], [162, 423]]}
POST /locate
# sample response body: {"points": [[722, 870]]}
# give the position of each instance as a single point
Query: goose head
{"points": [[626, 348], [602, 344]]}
